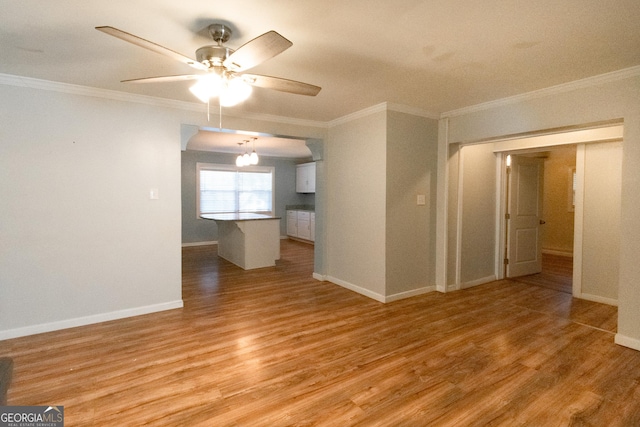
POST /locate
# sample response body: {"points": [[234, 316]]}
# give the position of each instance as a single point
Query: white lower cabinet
{"points": [[292, 223], [304, 232], [301, 224]]}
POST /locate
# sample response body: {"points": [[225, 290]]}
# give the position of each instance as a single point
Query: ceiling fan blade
{"points": [[283, 85], [138, 41], [257, 51], [163, 79]]}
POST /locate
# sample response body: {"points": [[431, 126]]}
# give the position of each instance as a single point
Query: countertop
{"points": [[237, 217]]}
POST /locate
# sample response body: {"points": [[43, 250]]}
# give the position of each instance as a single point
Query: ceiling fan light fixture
{"points": [[207, 87], [234, 91]]}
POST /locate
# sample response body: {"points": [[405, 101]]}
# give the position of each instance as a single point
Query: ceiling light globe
{"points": [[234, 92], [253, 158], [207, 87]]}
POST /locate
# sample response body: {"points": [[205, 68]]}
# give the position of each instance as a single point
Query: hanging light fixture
{"points": [[246, 158], [253, 158], [229, 89], [239, 159]]}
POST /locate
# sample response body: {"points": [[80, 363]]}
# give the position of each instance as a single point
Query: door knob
{"points": [[542, 222]]}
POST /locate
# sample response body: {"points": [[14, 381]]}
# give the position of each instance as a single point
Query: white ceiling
{"points": [[432, 55], [265, 145]]}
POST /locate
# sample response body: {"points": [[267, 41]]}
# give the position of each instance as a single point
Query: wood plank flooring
{"points": [[273, 347], [557, 273]]}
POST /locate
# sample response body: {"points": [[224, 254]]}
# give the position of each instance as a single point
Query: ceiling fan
{"points": [[224, 67]]}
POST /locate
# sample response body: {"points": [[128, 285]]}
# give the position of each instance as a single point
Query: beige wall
{"points": [[410, 228], [478, 220], [380, 242], [356, 204], [557, 233], [612, 98], [601, 221]]}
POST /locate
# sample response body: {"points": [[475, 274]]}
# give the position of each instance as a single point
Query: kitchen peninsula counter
{"points": [[248, 240]]}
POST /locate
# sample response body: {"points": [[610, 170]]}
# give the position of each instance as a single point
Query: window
{"points": [[227, 189]]}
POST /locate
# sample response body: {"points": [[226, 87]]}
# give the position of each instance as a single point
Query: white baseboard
{"points": [[627, 342], [357, 289], [188, 245], [88, 320], [409, 294], [568, 254], [376, 296], [597, 298], [478, 282], [319, 277]]}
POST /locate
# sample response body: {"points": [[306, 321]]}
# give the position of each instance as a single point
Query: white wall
{"points": [[356, 181], [478, 215], [611, 97], [601, 221], [412, 142], [80, 239]]}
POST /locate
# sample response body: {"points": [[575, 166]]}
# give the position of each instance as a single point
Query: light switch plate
{"points": [[153, 194]]}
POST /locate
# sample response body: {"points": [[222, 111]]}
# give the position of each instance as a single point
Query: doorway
{"points": [[595, 199], [541, 205]]}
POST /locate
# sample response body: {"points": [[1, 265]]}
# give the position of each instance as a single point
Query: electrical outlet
{"points": [[421, 200], [153, 194]]}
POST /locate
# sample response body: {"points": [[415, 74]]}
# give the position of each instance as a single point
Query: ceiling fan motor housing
{"points": [[213, 55]]}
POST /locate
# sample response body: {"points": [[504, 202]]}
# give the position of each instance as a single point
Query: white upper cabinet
{"points": [[306, 178]]}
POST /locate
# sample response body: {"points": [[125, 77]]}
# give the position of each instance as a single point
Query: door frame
{"points": [[603, 132], [502, 226]]}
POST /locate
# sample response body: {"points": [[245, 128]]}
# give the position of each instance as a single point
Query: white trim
{"points": [[442, 204], [28, 82], [319, 277], [409, 294], [598, 298], [452, 287], [561, 88], [362, 291], [384, 106], [88, 320], [459, 211], [193, 244], [557, 252], [578, 221], [607, 133], [358, 114], [627, 341], [374, 295], [478, 282], [501, 225], [400, 108]]}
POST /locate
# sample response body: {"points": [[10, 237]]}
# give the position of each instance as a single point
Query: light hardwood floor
{"points": [[273, 347], [557, 273]]}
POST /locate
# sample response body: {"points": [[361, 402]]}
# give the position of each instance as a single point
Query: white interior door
{"points": [[525, 216]]}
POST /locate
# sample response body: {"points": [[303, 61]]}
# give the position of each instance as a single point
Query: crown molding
{"points": [[413, 111], [72, 89], [384, 106], [553, 90]]}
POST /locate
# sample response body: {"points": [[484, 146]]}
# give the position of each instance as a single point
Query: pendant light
{"points": [[253, 158]]}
